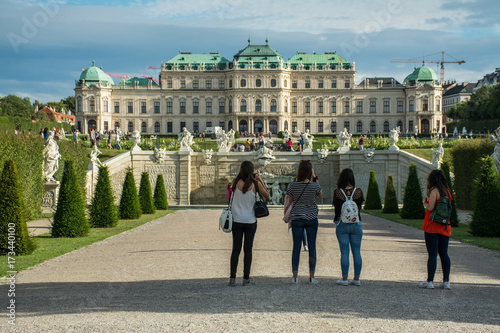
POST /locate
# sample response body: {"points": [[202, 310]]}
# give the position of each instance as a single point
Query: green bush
{"points": [[486, 214], [160, 196], [454, 217], [102, 210], [466, 155], [390, 200], [130, 207], [145, 197], [413, 207], [12, 214], [280, 135], [69, 218], [372, 195], [236, 135]]}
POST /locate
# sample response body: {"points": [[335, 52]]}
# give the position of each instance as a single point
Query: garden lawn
{"points": [[49, 247], [426, 154], [460, 233]]}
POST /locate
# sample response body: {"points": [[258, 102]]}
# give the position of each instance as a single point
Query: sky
{"points": [[44, 44]]}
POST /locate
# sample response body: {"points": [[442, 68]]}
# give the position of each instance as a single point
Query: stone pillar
{"points": [[50, 194], [184, 177]]}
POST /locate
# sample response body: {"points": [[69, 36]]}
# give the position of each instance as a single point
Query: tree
{"points": [[15, 106], [160, 196], [486, 214], [483, 104], [103, 211], [130, 207], [145, 197], [70, 219], [390, 200], [445, 167], [413, 207], [13, 228], [373, 195]]}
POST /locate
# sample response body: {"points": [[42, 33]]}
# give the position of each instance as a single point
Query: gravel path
{"points": [[170, 275]]}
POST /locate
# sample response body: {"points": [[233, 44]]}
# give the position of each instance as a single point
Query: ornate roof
{"points": [[321, 60], [422, 75], [94, 75], [208, 60]]}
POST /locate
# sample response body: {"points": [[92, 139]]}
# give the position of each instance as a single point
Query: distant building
{"points": [[59, 117], [489, 79], [455, 93]]}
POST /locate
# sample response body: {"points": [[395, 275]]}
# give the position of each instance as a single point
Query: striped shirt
{"points": [[305, 208]]}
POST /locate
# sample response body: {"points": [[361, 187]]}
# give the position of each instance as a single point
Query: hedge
{"points": [[372, 195], [103, 210], [130, 207], [390, 200], [413, 207], [145, 197], [160, 196], [445, 167]]}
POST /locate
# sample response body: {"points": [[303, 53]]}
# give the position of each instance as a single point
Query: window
{"points": [[285, 83], [258, 105], [208, 84], [169, 83], [359, 127], [105, 106], [258, 83], [334, 83], [221, 107], [273, 83], [373, 107], [386, 126], [243, 106], [410, 125], [183, 107], [169, 127], [183, 84], [320, 107], [347, 125], [333, 126], [230, 106], [143, 107], [273, 105], [230, 83], [209, 107], [308, 107], [196, 126], [294, 126], [308, 126], [221, 84], [334, 107], [208, 124], [346, 107], [308, 83], [294, 84], [79, 105], [347, 84], [106, 126], [196, 107], [438, 105], [373, 127], [320, 84], [183, 124], [92, 105], [400, 107], [425, 105], [412, 105], [169, 107], [117, 125], [195, 84], [243, 83], [117, 107], [157, 127], [359, 107], [130, 107], [386, 107], [130, 126], [294, 107], [320, 127], [400, 126], [222, 125], [157, 107], [144, 127]]}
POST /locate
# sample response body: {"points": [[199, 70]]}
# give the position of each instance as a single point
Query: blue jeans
{"points": [[311, 229], [437, 244], [350, 234]]}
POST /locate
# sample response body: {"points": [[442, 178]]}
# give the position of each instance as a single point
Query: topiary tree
{"points": [[160, 196], [102, 210], [130, 207], [486, 214], [445, 167], [373, 195], [15, 238], [70, 219], [413, 208], [390, 200], [145, 197]]}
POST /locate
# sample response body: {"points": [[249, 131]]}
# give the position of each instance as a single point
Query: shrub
{"points": [[69, 218], [413, 207], [102, 210], [373, 195], [390, 200], [160, 196], [130, 207], [454, 217], [236, 135], [12, 214], [486, 215], [145, 197]]}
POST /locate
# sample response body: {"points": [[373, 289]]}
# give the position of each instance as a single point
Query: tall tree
{"points": [[102, 210], [160, 196], [130, 207], [373, 196], [413, 208], [145, 197], [390, 199]]}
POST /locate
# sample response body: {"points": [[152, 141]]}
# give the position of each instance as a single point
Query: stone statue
{"points": [[207, 155], [264, 155], [393, 139], [308, 141], [496, 151], [464, 131], [322, 154], [94, 160], [437, 155], [160, 154], [286, 135], [343, 140], [222, 141], [230, 135], [135, 138], [276, 194], [185, 139], [455, 132], [369, 154], [51, 158]]}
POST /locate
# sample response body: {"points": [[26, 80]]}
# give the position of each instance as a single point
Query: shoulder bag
{"points": [[260, 208], [226, 218]]}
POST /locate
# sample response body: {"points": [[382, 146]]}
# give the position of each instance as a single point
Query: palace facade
{"points": [[257, 91]]}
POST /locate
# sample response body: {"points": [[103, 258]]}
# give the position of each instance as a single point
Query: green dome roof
{"points": [[93, 75], [422, 74]]}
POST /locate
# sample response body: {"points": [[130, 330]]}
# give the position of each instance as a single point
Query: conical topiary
{"points": [[413, 208], [160, 196], [70, 219], [145, 197], [486, 214], [14, 239], [373, 195], [130, 207], [390, 200], [102, 210], [445, 167]]}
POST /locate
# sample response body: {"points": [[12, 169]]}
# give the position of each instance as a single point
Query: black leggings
{"points": [[437, 244], [248, 231]]}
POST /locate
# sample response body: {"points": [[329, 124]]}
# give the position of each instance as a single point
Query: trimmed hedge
{"points": [[390, 200], [160, 196], [145, 197], [130, 207], [372, 195], [486, 214], [69, 218], [445, 167], [466, 167], [12, 214], [103, 210], [413, 208]]}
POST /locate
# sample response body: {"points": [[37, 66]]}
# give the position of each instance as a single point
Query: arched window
{"points": [[157, 127], [229, 125], [243, 83], [273, 105], [144, 127], [117, 125], [359, 127], [347, 125], [286, 125], [258, 126], [243, 126], [273, 83], [258, 83], [130, 126], [258, 105], [273, 126], [230, 83], [373, 127], [400, 125], [92, 104], [243, 106], [333, 127], [386, 126]]}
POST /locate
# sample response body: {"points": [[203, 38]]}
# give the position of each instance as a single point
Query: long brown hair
{"points": [[437, 179], [245, 174], [346, 177], [304, 171]]}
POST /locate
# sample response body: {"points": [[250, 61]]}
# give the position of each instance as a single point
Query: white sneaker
{"points": [[426, 284], [445, 285], [355, 282], [295, 280], [342, 282], [306, 248], [313, 281]]}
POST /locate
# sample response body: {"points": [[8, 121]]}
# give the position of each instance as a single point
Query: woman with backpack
{"points": [[304, 216], [437, 235], [347, 200]]}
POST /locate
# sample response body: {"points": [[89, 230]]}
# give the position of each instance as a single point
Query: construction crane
{"points": [[154, 67], [441, 62], [150, 77]]}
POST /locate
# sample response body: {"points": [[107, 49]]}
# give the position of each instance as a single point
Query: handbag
{"points": [[226, 217], [260, 208], [288, 208]]}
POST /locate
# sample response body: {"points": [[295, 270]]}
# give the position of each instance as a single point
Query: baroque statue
{"points": [[51, 158]]}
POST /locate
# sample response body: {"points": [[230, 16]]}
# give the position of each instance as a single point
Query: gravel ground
{"points": [[170, 275]]}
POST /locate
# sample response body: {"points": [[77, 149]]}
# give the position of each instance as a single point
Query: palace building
{"points": [[258, 91]]}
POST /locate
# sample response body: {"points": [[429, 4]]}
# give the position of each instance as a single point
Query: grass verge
{"points": [[49, 247], [460, 233]]}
